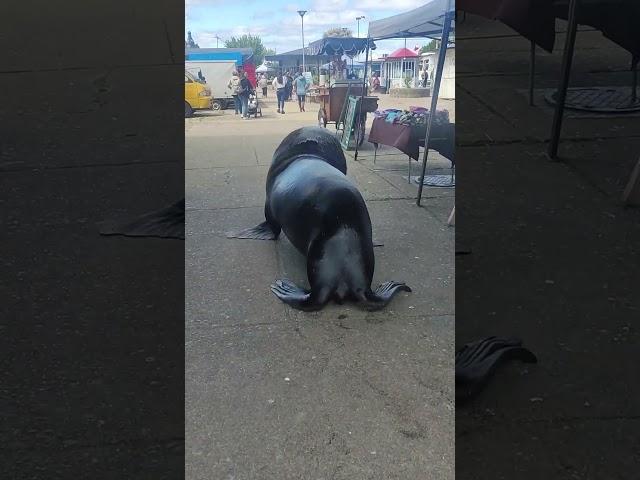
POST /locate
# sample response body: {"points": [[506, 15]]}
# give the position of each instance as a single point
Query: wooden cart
{"points": [[333, 102]]}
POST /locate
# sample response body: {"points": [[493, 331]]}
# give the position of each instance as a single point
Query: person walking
{"points": [[301, 91], [263, 84], [280, 84], [245, 90], [289, 80], [234, 85], [375, 83]]}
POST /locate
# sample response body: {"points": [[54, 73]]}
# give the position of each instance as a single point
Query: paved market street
{"points": [[574, 306], [272, 392]]}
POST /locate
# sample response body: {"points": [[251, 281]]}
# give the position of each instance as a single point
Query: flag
{"points": [[416, 48]]}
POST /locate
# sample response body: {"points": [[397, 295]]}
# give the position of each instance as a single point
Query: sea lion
{"points": [[322, 213], [477, 362]]}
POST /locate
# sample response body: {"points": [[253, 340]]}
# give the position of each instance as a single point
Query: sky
{"points": [[278, 23]]}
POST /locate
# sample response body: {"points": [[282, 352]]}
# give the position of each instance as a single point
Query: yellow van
{"points": [[197, 95]]}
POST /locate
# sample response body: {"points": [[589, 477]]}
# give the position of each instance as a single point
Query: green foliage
{"points": [[249, 41], [337, 32], [407, 81], [429, 47], [269, 51]]}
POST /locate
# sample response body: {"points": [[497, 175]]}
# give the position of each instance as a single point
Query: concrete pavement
{"points": [[273, 393], [554, 257]]}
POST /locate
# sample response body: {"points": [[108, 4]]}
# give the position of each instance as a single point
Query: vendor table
{"points": [[409, 138], [535, 20]]}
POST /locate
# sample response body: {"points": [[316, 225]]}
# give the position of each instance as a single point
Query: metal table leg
{"points": [[565, 71], [634, 76], [532, 72]]}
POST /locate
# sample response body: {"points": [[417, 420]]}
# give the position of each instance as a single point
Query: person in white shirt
{"points": [[280, 84], [263, 83]]}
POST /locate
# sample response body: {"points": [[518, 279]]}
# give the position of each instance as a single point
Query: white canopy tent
{"points": [[434, 20], [265, 69]]}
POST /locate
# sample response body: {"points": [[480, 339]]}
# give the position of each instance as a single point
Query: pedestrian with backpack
{"points": [[234, 85], [246, 89], [301, 90]]}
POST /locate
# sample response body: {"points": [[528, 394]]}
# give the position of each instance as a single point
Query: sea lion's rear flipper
{"points": [[382, 295], [298, 297], [264, 231], [167, 222], [477, 362]]}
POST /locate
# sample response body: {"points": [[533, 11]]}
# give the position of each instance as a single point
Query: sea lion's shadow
{"points": [[291, 263]]}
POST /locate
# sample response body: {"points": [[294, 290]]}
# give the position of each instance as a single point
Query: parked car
{"points": [[197, 94]]}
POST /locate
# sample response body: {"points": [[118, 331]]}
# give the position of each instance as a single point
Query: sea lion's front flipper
{"points": [[297, 297], [383, 295], [167, 222], [477, 362], [264, 231]]}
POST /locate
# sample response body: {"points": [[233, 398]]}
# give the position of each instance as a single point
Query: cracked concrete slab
{"points": [[228, 280], [321, 401], [553, 262], [226, 187], [68, 106], [75, 27]]}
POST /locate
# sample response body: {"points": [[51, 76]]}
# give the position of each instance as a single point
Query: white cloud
{"points": [[291, 7], [328, 5], [401, 5], [342, 18], [322, 15]]}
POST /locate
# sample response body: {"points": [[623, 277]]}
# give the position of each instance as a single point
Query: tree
{"points": [[429, 47], [337, 32], [269, 51], [249, 41]]}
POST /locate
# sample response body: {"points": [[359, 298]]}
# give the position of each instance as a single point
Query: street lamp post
{"points": [[301, 13], [358, 19]]}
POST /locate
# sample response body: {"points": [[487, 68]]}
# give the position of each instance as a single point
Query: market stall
{"points": [[333, 106], [406, 132], [434, 20], [344, 102], [536, 19]]}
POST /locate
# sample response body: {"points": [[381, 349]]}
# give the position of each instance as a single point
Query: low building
{"points": [[398, 66], [430, 61], [292, 61]]}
